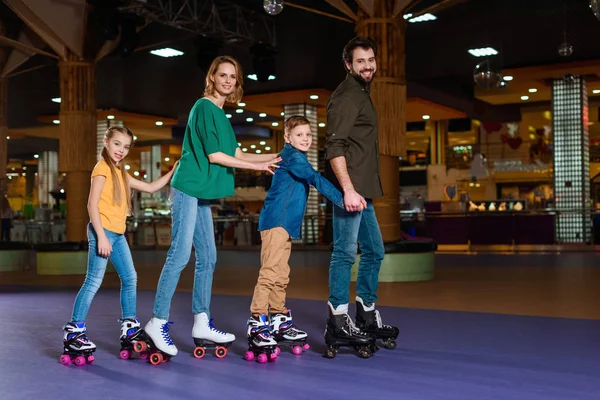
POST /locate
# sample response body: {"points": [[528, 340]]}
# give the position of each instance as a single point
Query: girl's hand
{"points": [[104, 247]]}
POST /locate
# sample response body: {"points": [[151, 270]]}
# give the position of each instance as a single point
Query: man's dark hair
{"points": [[364, 43]]}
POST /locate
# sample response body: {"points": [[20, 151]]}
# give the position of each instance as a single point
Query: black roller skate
{"points": [[341, 331], [261, 345], [206, 336], [131, 333], [368, 320], [157, 341], [77, 348], [285, 332]]}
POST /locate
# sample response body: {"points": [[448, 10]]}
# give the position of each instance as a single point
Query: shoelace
{"points": [[353, 327], [380, 323], [212, 328], [165, 333]]}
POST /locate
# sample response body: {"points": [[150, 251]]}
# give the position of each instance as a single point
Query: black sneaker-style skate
{"points": [[261, 344], [341, 331], [77, 348], [131, 333], [285, 332], [369, 321]]}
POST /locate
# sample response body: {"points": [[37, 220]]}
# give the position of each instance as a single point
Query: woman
{"points": [[209, 155]]}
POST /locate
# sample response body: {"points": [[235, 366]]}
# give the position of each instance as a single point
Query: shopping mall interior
{"points": [[489, 140]]}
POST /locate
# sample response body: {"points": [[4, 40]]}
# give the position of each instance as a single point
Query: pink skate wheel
{"points": [[91, 359], [79, 361], [272, 357], [297, 350], [306, 346], [125, 354], [144, 355], [138, 347], [277, 350], [249, 356], [262, 358], [65, 359]]}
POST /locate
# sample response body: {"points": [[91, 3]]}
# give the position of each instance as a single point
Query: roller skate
{"points": [[285, 332], [341, 331], [77, 348], [207, 336], [261, 345], [131, 333], [157, 341], [368, 320]]}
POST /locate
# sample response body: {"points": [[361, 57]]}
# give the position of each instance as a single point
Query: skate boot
{"points": [[159, 344], [285, 332], [368, 320], [341, 331], [77, 348], [131, 334], [207, 336], [261, 344]]}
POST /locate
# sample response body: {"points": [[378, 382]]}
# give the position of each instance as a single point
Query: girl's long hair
{"points": [[114, 168]]}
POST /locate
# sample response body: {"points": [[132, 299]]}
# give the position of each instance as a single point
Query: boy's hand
{"points": [[354, 202]]}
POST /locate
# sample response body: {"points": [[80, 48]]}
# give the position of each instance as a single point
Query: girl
{"points": [[109, 204], [209, 155]]}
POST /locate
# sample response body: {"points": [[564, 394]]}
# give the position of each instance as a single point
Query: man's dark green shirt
{"points": [[352, 133]]}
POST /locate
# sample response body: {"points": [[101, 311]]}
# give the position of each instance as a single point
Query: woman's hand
{"points": [[268, 166]]}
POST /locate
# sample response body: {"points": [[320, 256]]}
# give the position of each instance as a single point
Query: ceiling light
{"points": [[245, 149], [267, 148], [423, 18], [134, 137], [483, 52], [249, 119], [272, 77], [239, 111], [167, 159], [252, 146], [241, 104], [275, 124], [262, 115], [532, 90], [127, 167], [159, 123], [314, 97], [166, 52], [596, 91], [508, 78], [136, 173], [282, 113], [425, 117], [8, 138], [524, 98], [407, 16], [110, 117], [56, 121], [62, 190], [56, 100], [253, 77], [262, 143], [258, 151], [239, 144], [321, 124], [228, 115]]}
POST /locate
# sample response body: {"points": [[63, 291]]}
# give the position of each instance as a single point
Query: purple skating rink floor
{"points": [[440, 355]]}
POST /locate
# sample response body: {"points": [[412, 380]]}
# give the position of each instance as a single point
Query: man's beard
{"points": [[358, 76]]}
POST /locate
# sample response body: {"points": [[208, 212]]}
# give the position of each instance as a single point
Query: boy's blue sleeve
{"points": [[300, 168]]}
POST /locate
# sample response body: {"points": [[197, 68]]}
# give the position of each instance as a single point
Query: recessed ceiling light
{"points": [[262, 142], [423, 18], [252, 146], [524, 98], [127, 167], [275, 124], [425, 117], [8, 138], [321, 124], [262, 115], [239, 111], [245, 149], [253, 77], [136, 173], [166, 52], [282, 113], [532, 90], [249, 119], [56, 99], [159, 123], [242, 104], [167, 159], [258, 151], [56, 121], [596, 91], [267, 148], [36, 156], [507, 78], [239, 144], [272, 77], [134, 137], [483, 52], [314, 97], [110, 117], [228, 115]]}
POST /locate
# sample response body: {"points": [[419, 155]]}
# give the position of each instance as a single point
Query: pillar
{"points": [[310, 225], [3, 115], [438, 140], [78, 136], [571, 160], [388, 92], [47, 178]]}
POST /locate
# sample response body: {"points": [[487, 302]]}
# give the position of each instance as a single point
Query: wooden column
{"points": [[388, 92], [3, 113], [77, 152]]}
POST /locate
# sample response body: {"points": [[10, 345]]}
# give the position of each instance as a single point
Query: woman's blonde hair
{"points": [[238, 92], [117, 198]]}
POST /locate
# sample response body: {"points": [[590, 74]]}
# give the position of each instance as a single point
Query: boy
{"points": [[280, 221]]}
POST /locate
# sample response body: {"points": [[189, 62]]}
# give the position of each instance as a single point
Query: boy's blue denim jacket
{"points": [[286, 201]]}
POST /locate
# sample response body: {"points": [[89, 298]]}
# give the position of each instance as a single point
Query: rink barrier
{"points": [[15, 256]]}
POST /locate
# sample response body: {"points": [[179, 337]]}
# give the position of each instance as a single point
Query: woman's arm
{"points": [[152, 186], [239, 154], [104, 247], [233, 162]]}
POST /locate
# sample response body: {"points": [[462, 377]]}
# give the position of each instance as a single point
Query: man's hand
{"points": [[353, 201]]}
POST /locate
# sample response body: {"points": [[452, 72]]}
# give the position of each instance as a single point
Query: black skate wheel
{"points": [[221, 352], [390, 344], [199, 352], [330, 353], [156, 358], [364, 353]]}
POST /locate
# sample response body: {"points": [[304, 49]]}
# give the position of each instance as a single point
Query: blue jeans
{"points": [[191, 224], [348, 229], [123, 262]]}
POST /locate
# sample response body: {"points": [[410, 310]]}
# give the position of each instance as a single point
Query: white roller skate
{"points": [[205, 336], [159, 343]]}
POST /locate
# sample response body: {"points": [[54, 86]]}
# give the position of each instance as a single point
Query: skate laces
{"points": [[380, 323], [164, 329], [212, 328], [353, 327]]}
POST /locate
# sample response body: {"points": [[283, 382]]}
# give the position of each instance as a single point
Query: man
{"points": [[353, 152]]}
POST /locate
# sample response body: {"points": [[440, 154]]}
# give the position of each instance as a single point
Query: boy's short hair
{"points": [[295, 121]]}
